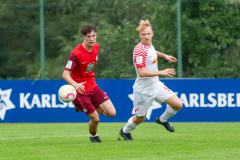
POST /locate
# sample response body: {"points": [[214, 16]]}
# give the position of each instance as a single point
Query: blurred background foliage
{"points": [[210, 35]]}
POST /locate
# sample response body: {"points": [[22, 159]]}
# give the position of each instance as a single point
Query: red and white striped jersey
{"points": [[145, 57]]}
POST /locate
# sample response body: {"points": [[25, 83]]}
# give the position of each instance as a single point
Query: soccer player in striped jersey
{"points": [[147, 86], [79, 72]]}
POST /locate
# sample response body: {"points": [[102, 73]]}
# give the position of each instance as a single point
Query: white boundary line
{"points": [[40, 137]]}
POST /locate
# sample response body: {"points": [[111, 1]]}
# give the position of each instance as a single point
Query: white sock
{"points": [[129, 126], [169, 112], [93, 135]]}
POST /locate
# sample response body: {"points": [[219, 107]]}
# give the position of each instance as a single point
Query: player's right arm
{"points": [[66, 75], [143, 72], [139, 59]]}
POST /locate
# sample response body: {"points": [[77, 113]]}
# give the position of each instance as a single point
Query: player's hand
{"points": [[170, 58], [170, 72], [80, 87]]}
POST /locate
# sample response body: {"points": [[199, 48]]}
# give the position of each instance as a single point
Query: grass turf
{"points": [[70, 141]]}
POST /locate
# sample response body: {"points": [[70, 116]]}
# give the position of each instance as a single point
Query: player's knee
{"points": [[111, 113], [179, 105], [95, 119], [138, 119], [176, 105]]}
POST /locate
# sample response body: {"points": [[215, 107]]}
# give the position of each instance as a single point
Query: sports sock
{"points": [[169, 112], [94, 135], [129, 126]]}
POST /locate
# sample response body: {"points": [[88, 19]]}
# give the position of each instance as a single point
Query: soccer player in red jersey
{"points": [[79, 72]]}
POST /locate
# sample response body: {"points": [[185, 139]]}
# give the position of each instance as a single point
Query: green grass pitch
{"points": [[70, 141]]}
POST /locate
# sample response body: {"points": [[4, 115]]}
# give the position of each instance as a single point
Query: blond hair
{"points": [[143, 24]]}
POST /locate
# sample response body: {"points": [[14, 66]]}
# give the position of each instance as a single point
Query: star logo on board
{"points": [[5, 102], [155, 105]]}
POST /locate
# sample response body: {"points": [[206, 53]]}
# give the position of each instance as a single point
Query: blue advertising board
{"points": [[204, 100]]}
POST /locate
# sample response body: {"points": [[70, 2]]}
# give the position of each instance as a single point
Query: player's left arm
{"points": [[167, 57]]}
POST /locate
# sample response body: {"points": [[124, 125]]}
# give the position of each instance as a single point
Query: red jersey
{"points": [[81, 63]]}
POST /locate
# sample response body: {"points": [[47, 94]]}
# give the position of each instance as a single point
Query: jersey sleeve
{"points": [[71, 63], [139, 57]]}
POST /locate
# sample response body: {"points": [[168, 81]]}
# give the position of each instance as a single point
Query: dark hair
{"points": [[88, 29]]}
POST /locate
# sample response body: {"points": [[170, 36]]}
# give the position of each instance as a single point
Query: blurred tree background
{"points": [[210, 35]]}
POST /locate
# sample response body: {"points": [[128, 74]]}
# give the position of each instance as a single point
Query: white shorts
{"points": [[142, 102]]}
